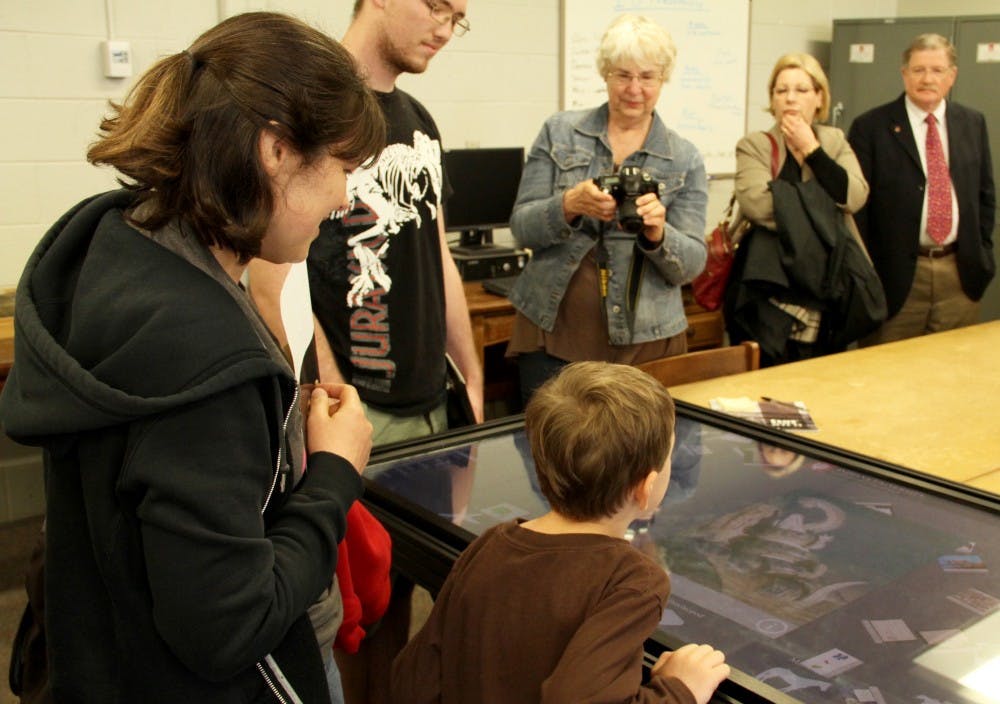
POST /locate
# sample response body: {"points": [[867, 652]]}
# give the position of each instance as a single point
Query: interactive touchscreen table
{"points": [[824, 577]]}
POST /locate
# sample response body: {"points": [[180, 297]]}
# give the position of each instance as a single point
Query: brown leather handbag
{"points": [[709, 286]]}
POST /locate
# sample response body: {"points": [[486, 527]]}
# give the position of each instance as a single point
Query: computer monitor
{"points": [[484, 187]]}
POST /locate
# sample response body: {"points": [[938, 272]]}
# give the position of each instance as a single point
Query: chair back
{"points": [[704, 364]]}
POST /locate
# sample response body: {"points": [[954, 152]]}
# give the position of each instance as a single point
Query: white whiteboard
{"points": [[705, 100]]}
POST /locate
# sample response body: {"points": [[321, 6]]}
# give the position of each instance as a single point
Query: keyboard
{"points": [[500, 286]]}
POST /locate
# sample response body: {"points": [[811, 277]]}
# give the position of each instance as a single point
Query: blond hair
{"points": [[815, 72]]}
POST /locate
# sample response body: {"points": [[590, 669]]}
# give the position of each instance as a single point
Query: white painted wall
{"points": [[932, 8], [493, 87]]}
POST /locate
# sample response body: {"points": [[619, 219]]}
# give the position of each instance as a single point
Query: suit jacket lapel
{"points": [[901, 130]]}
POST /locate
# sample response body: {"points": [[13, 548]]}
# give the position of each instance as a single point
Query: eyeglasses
{"points": [[933, 71], [441, 12], [647, 79], [798, 90]]}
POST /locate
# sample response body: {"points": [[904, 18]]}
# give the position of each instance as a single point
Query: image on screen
{"points": [[826, 583]]}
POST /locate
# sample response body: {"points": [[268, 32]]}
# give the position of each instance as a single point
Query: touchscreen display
{"points": [[826, 583]]}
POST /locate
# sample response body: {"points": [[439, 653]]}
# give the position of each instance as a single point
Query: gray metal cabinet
{"points": [[859, 86]]}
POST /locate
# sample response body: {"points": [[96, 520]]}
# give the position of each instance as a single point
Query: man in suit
{"points": [[928, 222]]}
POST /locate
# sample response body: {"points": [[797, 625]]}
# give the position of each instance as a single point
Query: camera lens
{"points": [[628, 217]]}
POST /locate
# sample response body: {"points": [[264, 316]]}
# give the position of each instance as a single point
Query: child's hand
{"points": [[336, 423], [700, 667]]}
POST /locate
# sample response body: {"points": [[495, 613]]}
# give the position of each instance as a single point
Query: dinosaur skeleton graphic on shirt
{"points": [[393, 188]]}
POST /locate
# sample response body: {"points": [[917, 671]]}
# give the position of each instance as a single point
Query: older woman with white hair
{"points": [[612, 205]]}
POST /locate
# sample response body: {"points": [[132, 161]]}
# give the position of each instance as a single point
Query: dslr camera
{"points": [[625, 186]]}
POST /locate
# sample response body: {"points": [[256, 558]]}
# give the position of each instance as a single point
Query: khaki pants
{"points": [[936, 302], [390, 428]]}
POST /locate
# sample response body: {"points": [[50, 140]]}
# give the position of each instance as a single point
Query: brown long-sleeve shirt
{"points": [[531, 617]]}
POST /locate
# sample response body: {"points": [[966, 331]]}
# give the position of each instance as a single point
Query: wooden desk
{"points": [[493, 320], [930, 403], [492, 317], [6, 347]]}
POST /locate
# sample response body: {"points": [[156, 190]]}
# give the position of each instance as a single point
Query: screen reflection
{"points": [[827, 583]]}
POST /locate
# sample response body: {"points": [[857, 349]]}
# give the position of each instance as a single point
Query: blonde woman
{"points": [[786, 319]]}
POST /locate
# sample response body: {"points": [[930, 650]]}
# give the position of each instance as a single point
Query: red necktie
{"points": [[938, 185]]}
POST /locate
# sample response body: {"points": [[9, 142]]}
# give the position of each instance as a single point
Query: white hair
{"points": [[636, 38]]}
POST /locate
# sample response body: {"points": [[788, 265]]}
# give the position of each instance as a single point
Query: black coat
{"points": [[890, 222], [810, 260]]}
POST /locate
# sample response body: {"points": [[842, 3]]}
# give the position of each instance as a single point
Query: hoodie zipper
{"points": [[279, 681], [270, 684], [281, 446], [277, 472]]}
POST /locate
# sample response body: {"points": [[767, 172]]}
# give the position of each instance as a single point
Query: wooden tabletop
{"points": [[6, 345], [929, 403]]}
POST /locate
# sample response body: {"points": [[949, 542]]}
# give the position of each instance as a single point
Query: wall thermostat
{"points": [[117, 58]]}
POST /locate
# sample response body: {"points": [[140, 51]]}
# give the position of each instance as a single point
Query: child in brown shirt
{"points": [[557, 609]]}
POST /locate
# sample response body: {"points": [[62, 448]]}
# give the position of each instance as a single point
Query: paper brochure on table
{"points": [[782, 415]]}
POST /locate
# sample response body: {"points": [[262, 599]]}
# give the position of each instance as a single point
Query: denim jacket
{"points": [[573, 146]]}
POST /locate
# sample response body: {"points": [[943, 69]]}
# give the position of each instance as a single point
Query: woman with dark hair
{"points": [[185, 539]]}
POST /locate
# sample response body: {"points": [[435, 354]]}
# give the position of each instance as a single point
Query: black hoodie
{"points": [[180, 560]]}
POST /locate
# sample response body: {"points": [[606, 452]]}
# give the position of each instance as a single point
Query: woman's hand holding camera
{"points": [[654, 216], [585, 198], [336, 422]]}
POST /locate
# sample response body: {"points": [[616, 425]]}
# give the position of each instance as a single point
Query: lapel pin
{"points": [[897, 129]]}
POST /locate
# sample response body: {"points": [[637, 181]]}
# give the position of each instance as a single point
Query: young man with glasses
{"points": [[385, 290]]}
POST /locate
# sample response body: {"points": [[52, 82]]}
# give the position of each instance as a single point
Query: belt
{"points": [[940, 251]]}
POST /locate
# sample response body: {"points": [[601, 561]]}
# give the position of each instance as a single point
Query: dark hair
{"points": [[187, 135], [597, 430]]}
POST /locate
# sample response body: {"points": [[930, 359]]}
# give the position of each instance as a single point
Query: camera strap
{"points": [[635, 276], [634, 281], [601, 258]]}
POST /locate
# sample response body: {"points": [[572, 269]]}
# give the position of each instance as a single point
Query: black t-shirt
{"points": [[375, 273]]}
